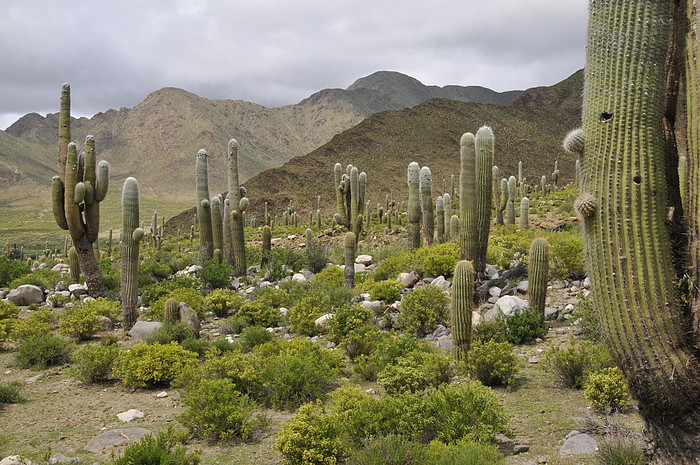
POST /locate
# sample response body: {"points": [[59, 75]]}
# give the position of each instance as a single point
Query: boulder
{"points": [[510, 305], [15, 460], [129, 415], [523, 286], [579, 444], [26, 294], [299, 278], [322, 321], [409, 279], [144, 329], [61, 458], [374, 305], [445, 342], [77, 290], [190, 318], [441, 282], [495, 291], [364, 260], [115, 437]]}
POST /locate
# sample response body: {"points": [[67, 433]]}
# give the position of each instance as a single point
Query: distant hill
{"points": [[530, 129], [157, 140]]}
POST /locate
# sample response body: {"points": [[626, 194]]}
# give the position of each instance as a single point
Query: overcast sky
{"points": [[273, 52]]}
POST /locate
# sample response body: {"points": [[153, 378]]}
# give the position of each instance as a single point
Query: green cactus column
{"points": [[510, 213], [524, 213], [447, 204], [74, 265], [462, 307], [629, 242], [538, 271], [349, 260], [440, 220], [496, 193], [468, 237], [129, 241], [414, 211], [171, 312], [426, 195], [217, 224], [483, 141], [238, 204], [266, 245], [206, 239]]}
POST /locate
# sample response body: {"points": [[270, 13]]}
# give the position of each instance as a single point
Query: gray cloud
{"points": [[273, 52]]}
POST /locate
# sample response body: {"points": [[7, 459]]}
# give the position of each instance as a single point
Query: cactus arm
{"points": [[72, 209], [102, 181], [58, 202]]}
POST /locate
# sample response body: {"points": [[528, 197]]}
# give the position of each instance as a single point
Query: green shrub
{"points": [[422, 310], [606, 389], [254, 336], [93, 363], [79, 323], [283, 259], [11, 269], [273, 297], [190, 296], [43, 351], [110, 276], [388, 290], [360, 340], [8, 319], [385, 352], [525, 326], [151, 271], [11, 393], [171, 332], [152, 364], [329, 278], [390, 450], [215, 274], [199, 346], [414, 372], [38, 323], [233, 325], [345, 319], [166, 448], [57, 300], [306, 311], [566, 250], [440, 265], [620, 449], [586, 318], [572, 365], [415, 260], [464, 452], [103, 307], [44, 278], [216, 410], [316, 256], [258, 314], [223, 301], [493, 363], [494, 330], [153, 292]]}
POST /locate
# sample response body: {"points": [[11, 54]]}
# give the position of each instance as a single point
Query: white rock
{"points": [[510, 305], [298, 278], [441, 282], [161, 395], [409, 279], [579, 444], [374, 305], [364, 260], [495, 291], [144, 329], [26, 294], [77, 289], [15, 460], [322, 321], [129, 415], [62, 267]]}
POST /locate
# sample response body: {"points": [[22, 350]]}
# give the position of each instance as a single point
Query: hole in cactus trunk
{"points": [[606, 117], [637, 179]]}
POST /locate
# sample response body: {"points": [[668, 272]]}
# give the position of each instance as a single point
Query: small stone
{"points": [[510, 305], [15, 460], [130, 415], [330, 345], [161, 395], [495, 291], [364, 260], [409, 279], [322, 321], [520, 448], [568, 309], [61, 458], [523, 287], [35, 378], [144, 329], [298, 278], [370, 391], [580, 444], [374, 305], [441, 282]]}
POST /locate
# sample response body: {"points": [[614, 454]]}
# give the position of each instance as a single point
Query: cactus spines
{"points": [[525, 213], [574, 141], [319, 226], [510, 213], [206, 240], [266, 245], [171, 311], [426, 194], [414, 211], [468, 237], [131, 236], [543, 184], [585, 205], [462, 307], [484, 142], [239, 204], [349, 248], [454, 227], [73, 265], [440, 221], [538, 270]]}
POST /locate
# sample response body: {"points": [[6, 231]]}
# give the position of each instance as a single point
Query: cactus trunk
{"points": [[468, 238], [130, 238], [349, 260], [426, 196], [206, 240], [483, 142], [462, 307], [538, 270], [414, 212]]}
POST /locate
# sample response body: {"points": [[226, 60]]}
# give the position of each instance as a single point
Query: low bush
{"points": [[8, 320], [190, 296], [166, 448], [414, 371], [151, 365], [11, 393], [155, 291], [620, 449], [571, 365], [93, 363], [259, 314], [223, 301], [79, 323], [306, 311], [387, 349], [233, 325], [494, 330], [360, 340], [103, 307], [283, 260], [38, 323], [586, 318], [345, 319], [606, 389], [422, 310], [11, 269], [215, 274], [329, 278], [390, 450], [464, 452], [440, 265], [493, 363], [43, 351], [171, 332], [388, 290], [525, 326], [199, 346], [216, 410], [254, 336], [43, 278]]}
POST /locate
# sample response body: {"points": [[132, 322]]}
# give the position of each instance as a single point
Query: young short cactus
{"points": [[171, 312], [74, 265], [426, 194], [206, 240], [538, 270], [414, 211], [440, 221], [525, 213], [462, 307], [131, 236], [510, 213], [349, 260]]}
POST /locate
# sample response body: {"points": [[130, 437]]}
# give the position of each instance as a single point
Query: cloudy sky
{"points": [[273, 52]]}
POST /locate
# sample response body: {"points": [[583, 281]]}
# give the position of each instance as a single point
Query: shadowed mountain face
{"points": [[157, 140]]}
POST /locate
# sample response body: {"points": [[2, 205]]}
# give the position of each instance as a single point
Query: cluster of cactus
{"points": [[350, 189], [131, 237], [476, 168], [77, 191]]}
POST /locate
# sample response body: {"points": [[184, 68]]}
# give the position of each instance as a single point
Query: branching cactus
{"points": [[239, 204], [77, 191], [171, 312], [206, 240], [131, 236], [426, 194], [350, 191], [468, 237], [414, 211], [538, 271], [462, 307], [349, 260]]}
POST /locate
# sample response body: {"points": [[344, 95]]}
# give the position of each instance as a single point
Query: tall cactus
{"points": [[426, 196], [217, 224], [266, 245], [496, 193], [131, 236], [414, 211], [238, 204], [447, 204], [350, 189], [77, 191], [525, 213], [468, 238], [484, 142], [462, 307], [349, 259], [440, 220], [538, 270], [634, 242], [206, 239]]}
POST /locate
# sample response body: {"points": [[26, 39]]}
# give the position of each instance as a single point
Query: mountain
{"points": [[163, 133], [530, 128]]}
